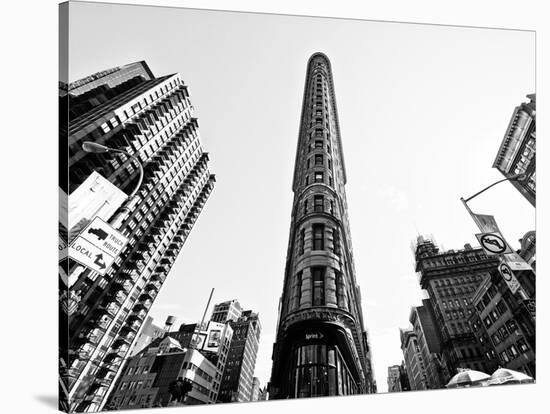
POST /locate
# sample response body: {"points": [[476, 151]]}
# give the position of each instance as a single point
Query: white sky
{"points": [[422, 112]]}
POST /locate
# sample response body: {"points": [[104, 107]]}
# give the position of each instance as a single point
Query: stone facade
{"points": [[320, 306]]}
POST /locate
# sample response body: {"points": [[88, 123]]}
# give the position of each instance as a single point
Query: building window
{"points": [[503, 332], [319, 177], [318, 143], [501, 307], [512, 326], [522, 345], [318, 203], [302, 241], [336, 241], [513, 352], [305, 206], [307, 180], [318, 371], [318, 159], [318, 275], [318, 237]]}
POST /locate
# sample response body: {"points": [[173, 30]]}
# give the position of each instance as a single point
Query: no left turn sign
{"points": [[493, 243]]}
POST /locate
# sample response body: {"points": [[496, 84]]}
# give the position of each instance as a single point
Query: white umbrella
{"points": [[509, 376], [467, 377]]}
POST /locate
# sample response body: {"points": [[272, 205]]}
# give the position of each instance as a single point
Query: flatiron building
{"points": [[321, 344]]}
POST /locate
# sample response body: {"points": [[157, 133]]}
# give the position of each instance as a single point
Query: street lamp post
{"points": [[516, 177], [123, 211]]}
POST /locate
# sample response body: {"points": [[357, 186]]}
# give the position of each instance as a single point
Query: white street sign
{"points": [[508, 276], [90, 256], [104, 237], [97, 246], [95, 197], [493, 243], [516, 262]]}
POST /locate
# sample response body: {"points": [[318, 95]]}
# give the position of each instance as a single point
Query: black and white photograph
{"points": [[258, 207]]}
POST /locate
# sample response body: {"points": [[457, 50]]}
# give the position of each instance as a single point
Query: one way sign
{"points": [[97, 246]]}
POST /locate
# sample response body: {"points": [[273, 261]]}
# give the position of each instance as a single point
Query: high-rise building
{"points": [[238, 376], [226, 311], [414, 362], [321, 344], [451, 279], [422, 319], [150, 118], [394, 374], [516, 154]]}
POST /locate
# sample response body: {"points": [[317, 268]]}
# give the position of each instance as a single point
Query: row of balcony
{"points": [[146, 298], [155, 113], [122, 285]]}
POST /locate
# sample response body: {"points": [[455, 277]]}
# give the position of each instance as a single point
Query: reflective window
{"points": [[318, 285], [320, 371], [318, 237]]}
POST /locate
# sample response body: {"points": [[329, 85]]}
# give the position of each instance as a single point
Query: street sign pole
{"points": [[494, 244]]}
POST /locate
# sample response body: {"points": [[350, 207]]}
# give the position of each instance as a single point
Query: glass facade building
{"points": [[321, 345]]}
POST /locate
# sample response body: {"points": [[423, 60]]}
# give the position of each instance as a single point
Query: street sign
{"points": [[516, 262], [95, 197], [90, 256], [103, 236], [97, 246], [493, 243], [530, 304], [508, 276]]}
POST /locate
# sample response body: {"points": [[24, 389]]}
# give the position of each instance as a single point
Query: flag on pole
{"points": [[485, 222]]}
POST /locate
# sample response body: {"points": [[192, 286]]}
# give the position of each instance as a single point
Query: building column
{"points": [[330, 288], [307, 284]]}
